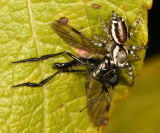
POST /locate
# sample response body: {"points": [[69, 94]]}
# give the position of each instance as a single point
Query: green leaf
{"points": [[25, 32], [140, 113]]}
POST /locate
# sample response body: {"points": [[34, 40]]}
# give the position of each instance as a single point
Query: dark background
{"points": [[154, 30]]}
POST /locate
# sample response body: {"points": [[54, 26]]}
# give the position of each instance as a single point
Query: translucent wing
{"points": [[80, 43], [96, 109]]}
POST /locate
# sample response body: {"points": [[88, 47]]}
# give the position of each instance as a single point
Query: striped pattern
{"points": [[100, 67], [118, 29], [132, 53], [130, 72]]}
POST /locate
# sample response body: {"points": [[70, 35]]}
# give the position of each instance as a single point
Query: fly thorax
{"points": [[119, 55]]}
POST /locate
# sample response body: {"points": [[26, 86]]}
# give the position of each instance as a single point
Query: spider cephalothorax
{"points": [[119, 55]]}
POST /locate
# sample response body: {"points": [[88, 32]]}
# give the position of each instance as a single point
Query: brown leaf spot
{"points": [[63, 20], [96, 6], [62, 105]]}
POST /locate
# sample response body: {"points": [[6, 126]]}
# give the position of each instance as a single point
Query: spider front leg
{"points": [[136, 23], [95, 72]]}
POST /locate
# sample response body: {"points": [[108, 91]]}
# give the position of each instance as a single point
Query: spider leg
{"points": [[105, 29], [93, 75], [50, 56], [95, 72], [136, 23], [136, 47], [47, 79], [132, 53], [130, 72], [97, 43], [101, 39]]}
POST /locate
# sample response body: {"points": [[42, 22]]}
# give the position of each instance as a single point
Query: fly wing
{"points": [[96, 109], [79, 42]]}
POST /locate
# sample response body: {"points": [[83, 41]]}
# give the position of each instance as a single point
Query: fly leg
{"points": [[92, 102], [47, 79], [35, 84], [65, 65], [44, 57], [107, 107], [62, 67]]}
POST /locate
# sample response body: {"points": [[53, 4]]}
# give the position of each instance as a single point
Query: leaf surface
{"points": [[25, 32]]}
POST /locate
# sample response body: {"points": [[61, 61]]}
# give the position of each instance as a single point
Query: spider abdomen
{"points": [[118, 29]]}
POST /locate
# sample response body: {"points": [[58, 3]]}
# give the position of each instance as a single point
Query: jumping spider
{"points": [[118, 34]]}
